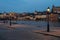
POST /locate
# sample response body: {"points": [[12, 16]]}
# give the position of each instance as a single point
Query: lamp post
{"points": [[48, 10], [10, 19]]}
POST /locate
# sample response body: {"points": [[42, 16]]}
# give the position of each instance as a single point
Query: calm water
{"points": [[39, 23]]}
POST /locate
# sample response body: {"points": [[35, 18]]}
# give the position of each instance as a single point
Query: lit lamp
{"points": [[48, 11], [10, 19]]}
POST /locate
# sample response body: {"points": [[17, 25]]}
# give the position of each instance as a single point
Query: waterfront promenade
{"points": [[24, 32]]}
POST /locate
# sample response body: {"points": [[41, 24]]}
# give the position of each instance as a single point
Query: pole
{"points": [[48, 29]]}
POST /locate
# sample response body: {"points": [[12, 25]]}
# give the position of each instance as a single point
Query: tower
{"points": [[53, 8]]}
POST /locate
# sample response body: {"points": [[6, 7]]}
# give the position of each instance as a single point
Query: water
{"points": [[39, 23]]}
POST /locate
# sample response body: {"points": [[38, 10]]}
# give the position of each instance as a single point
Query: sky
{"points": [[26, 5]]}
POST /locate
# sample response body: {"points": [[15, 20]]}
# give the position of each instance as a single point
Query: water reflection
{"points": [[40, 23], [37, 23]]}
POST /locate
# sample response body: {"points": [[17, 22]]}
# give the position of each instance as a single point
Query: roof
{"points": [[58, 7]]}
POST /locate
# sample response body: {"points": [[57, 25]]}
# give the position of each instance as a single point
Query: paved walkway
{"points": [[55, 33], [15, 33]]}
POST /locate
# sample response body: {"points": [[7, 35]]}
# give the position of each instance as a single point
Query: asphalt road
{"points": [[24, 33]]}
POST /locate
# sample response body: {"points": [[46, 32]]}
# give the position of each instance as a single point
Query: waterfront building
{"points": [[53, 17], [39, 15], [13, 15], [1, 15], [56, 10]]}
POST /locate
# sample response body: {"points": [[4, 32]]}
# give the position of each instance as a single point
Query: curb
{"points": [[47, 33]]}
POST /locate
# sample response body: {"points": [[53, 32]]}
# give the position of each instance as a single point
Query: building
{"points": [[53, 17], [56, 10], [1, 15], [39, 15], [13, 15]]}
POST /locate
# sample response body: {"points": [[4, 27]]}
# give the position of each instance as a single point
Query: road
{"points": [[23, 32]]}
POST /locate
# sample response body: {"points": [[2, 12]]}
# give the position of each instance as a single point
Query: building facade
{"points": [[56, 10]]}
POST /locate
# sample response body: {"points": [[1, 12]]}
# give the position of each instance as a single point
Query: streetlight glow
{"points": [[48, 9]]}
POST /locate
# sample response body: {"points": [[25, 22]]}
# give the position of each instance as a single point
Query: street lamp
{"points": [[10, 19], [48, 11]]}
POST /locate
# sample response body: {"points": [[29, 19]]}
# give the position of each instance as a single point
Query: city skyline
{"points": [[26, 5]]}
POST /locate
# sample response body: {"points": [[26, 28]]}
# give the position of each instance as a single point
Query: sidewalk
{"points": [[55, 33], [14, 26]]}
